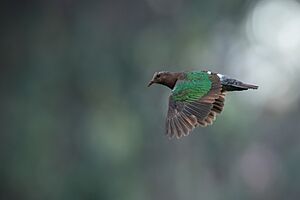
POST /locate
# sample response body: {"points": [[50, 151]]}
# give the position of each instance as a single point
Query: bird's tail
{"points": [[249, 86], [235, 85]]}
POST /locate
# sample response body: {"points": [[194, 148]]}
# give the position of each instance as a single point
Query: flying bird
{"points": [[197, 98]]}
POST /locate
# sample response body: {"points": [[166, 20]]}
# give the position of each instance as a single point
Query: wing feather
{"points": [[186, 114]]}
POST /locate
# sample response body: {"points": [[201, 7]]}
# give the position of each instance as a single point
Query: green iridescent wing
{"points": [[194, 101], [195, 86]]}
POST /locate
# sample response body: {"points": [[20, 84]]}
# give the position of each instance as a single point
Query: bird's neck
{"points": [[170, 82]]}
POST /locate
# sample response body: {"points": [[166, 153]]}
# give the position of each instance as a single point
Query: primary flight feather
{"points": [[197, 97]]}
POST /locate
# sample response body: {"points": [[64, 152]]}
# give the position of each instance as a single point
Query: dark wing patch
{"points": [[183, 117], [216, 109]]}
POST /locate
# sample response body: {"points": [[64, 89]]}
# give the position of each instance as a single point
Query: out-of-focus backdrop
{"points": [[78, 122]]}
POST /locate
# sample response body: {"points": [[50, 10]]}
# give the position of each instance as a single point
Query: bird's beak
{"points": [[150, 83]]}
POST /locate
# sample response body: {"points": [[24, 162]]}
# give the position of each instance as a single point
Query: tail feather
{"points": [[235, 85], [249, 86]]}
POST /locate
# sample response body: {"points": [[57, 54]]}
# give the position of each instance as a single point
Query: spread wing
{"points": [[194, 103]]}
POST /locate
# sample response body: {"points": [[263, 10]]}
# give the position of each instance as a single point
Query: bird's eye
{"points": [[158, 75]]}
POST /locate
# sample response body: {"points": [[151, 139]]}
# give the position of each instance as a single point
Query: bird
{"points": [[197, 98]]}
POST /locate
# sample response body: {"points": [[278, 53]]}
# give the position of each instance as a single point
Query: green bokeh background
{"points": [[78, 122]]}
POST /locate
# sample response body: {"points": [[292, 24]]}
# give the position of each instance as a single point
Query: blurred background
{"points": [[78, 122]]}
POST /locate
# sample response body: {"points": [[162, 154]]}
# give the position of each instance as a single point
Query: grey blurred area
{"points": [[78, 122]]}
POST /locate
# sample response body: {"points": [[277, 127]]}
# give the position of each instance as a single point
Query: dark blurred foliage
{"points": [[78, 122]]}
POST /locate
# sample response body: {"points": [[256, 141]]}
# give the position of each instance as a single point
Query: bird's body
{"points": [[197, 97]]}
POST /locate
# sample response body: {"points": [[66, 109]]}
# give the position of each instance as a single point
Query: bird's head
{"points": [[165, 78]]}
